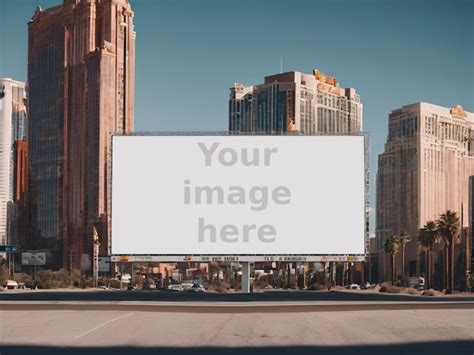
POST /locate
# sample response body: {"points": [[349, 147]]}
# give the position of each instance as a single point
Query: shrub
{"points": [[262, 282], [57, 279], [3, 274], [431, 292], [387, 287], [221, 286], [103, 281], [21, 277], [87, 282], [139, 281], [114, 283], [412, 291]]}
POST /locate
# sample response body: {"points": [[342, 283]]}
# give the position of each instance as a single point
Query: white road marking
{"points": [[103, 324]]}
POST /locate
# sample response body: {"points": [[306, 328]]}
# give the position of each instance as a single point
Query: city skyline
{"points": [[416, 52]]}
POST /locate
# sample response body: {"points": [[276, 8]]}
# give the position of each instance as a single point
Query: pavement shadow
{"points": [[431, 348]]}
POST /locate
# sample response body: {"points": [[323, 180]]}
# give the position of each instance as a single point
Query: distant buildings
{"points": [[81, 58], [424, 170], [13, 123], [294, 101]]}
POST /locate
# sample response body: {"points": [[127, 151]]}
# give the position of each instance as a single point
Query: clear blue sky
{"points": [[190, 52]]}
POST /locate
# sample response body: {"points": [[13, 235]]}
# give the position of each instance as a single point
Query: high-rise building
{"points": [[18, 211], [469, 242], [294, 101], [13, 122], [424, 171], [20, 169], [81, 58]]}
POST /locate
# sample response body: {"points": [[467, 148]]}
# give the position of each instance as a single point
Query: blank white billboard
{"points": [[238, 195]]}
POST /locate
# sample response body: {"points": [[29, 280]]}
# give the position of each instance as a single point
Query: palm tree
{"points": [[423, 242], [449, 227], [392, 247], [429, 235], [403, 239]]}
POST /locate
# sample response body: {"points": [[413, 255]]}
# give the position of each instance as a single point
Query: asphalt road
{"points": [[137, 332]]}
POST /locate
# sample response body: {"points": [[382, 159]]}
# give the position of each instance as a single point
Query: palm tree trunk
{"points": [[428, 274], [451, 267], [403, 264], [393, 269], [446, 267]]}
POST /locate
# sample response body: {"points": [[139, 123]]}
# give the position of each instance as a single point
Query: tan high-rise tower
{"points": [[423, 171], [81, 58]]}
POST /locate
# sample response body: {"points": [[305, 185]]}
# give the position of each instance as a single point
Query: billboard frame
{"points": [[242, 257]]}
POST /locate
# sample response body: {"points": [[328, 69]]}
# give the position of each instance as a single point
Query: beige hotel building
{"points": [[423, 171], [295, 101]]}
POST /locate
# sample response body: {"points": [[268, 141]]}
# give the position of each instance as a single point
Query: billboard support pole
{"points": [[245, 277]]}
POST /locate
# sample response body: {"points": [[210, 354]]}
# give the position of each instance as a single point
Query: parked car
{"points": [[366, 286], [10, 285], [197, 288], [353, 287], [187, 285], [176, 287]]}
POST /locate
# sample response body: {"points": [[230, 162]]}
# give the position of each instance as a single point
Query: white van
{"points": [[10, 285]]}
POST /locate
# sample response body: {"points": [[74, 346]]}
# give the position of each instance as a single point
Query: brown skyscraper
{"points": [[81, 75]]}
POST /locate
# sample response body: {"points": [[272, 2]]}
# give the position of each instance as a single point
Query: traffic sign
{"points": [[9, 248]]}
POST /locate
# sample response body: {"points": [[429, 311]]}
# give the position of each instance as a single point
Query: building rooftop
{"points": [[456, 111]]}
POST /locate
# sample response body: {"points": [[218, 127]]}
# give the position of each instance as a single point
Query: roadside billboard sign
{"points": [[238, 195], [33, 258]]}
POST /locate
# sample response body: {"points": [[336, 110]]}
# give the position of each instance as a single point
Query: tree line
{"points": [[445, 231]]}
